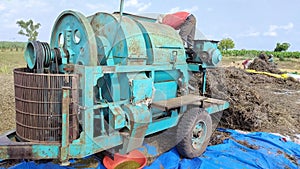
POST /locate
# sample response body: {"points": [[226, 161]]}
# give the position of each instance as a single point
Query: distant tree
{"points": [[282, 47], [226, 44], [29, 29]]}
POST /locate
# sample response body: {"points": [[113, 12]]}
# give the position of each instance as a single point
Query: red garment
{"points": [[246, 63], [175, 20]]}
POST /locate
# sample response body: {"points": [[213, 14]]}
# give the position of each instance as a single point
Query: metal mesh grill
{"points": [[38, 99]]}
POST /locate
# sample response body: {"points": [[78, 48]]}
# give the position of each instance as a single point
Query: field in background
{"points": [[286, 61], [11, 60], [12, 46], [290, 65], [11, 55]]}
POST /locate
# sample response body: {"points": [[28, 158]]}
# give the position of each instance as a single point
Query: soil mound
{"points": [[257, 102], [264, 66]]}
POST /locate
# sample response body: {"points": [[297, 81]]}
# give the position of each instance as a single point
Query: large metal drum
{"points": [[38, 100]]}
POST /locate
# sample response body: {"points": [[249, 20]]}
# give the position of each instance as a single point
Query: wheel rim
{"points": [[199, 135]]}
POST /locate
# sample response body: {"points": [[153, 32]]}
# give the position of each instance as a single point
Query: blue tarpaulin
{"points": [[252, 150]]}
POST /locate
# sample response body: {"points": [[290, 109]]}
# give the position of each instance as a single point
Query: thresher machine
{"points": [[108, 81]]}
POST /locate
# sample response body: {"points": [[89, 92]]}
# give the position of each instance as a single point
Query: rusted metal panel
{"points": [[64, 150], [19, 152], [12, 149]]}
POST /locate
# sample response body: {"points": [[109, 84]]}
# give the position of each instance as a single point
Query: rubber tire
{"points": [[185, 128]]}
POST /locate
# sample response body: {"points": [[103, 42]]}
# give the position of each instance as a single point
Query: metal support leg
{"points": [[102, 121], [64, 150], [203, 81], [203, 86]]}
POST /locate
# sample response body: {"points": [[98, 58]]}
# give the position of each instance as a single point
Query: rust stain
{"points": [[134, 47]]}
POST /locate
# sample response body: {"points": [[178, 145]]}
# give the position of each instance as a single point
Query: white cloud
{"points": [[250, 33], [136, 4], [226, 35], [209, 9], [288, 26], [131, 3], [144, 7], [176, 9], [91, 6], [191, 10], [98, 7], [270, 33], [10, 13], [2, 7], [11, 25], [35, 3], [273, 29]]}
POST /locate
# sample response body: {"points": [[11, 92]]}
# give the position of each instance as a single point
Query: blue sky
{"points": [[252, 24]]}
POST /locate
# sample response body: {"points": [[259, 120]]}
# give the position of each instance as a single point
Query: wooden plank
{"points": [[214, 101], [209, 102], [177, 102]]}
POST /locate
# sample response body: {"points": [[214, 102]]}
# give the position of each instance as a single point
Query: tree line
{"points": [[255, 53], [12, 46], [227, 43], [280, 50]]}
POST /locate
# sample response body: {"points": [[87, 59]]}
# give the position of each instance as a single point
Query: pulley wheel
{"points": [[73, 32]]}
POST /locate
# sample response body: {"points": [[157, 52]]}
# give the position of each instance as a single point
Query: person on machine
{"points": [[183, 21]]}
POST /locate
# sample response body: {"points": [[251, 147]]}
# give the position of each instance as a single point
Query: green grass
{"points": [[10, 60]]}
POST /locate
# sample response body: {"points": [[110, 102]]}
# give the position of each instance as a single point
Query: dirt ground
{"points": [[7, 104]]}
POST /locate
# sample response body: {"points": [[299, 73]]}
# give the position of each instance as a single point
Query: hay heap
{"points": [[257, 102]]}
